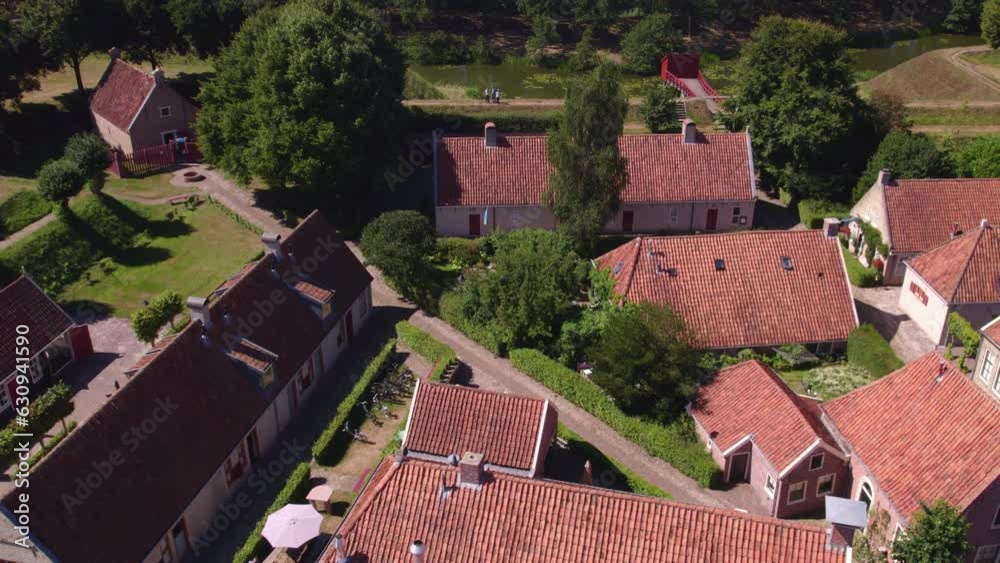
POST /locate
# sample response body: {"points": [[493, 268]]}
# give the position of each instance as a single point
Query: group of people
{"points": [[491, 95]]}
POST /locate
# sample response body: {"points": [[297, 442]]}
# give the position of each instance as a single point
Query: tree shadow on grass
{"points": [[142, 256], [85, 311], [39, 133]]}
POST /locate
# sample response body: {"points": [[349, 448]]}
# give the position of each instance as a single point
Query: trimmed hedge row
{"points": [[427, 346], [676, 443], [966, 334], [333, 442], [295, 490], [46, 410], [867, 349]]}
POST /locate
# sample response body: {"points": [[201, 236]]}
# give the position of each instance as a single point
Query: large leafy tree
{"points": [[978, 158], [963, 16], [990, 23], [646, 43], [68, 30], [59, 180], [150, 31], [646, 361], [92, 156], [206, 26], [659, 110], [398, 243], [907, 155], [304, 95], [590, 172], [795, 91], [938, 534]]}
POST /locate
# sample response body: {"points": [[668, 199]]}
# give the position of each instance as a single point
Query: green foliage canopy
{"points": [[399, 243], [990, 23], [59, 180], [906, 155], [91, 155], [978, 158], [938, 534], [659, 110], [646, 43]]}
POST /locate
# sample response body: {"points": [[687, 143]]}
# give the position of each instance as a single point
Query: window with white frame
{"points": [[769, 485], [797, 492], [987, 553], [989, 362], [816, 462], [165, 112], [824, 485], [996, 384]]}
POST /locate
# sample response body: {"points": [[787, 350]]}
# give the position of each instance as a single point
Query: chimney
{"points": [[846, 517], [470, 471], [272, 245], [199, 311], [338, 546], [941, 369], [490, 134], [884, 177], [417, 550], [955, 231], [588, 474], [114, 53], [158, 75], [984, 224], [831, 227], [690, 131]]}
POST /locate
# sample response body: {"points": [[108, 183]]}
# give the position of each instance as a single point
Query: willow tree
{"points": [[590, 172]]}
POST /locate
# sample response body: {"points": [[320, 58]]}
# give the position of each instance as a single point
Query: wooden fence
{"points": [[153, 159]]}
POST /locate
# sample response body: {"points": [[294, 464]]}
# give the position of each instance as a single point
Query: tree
{"points": [[206, 26], [646, 361], [795, 91], [150, 31], [399, 243], [543, 32], [59, 180], [529, 291], [590, 173], [21, 61], [978, 158], [91, 156], [147, 322], [937, 534], [659, 110], [990, 23], [585, 56], [906, 155], [646, 43], [963, 16], [305, 95], [66, 30]]}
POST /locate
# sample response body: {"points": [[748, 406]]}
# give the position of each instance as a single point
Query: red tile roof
{"points": [[121, 93], [539, 521], [23, 303], [450, 419], [964, 270], [313, 291], [252, 355], [922, 212], [218, 400], [754, 301], [992, 330], [750, 399], [920, 438], [660, 167]]}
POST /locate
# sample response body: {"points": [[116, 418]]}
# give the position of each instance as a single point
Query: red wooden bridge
{"points": [[683, 72]]}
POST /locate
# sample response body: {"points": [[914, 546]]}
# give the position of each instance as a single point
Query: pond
{"points": [[515, 80], [881, 59]]}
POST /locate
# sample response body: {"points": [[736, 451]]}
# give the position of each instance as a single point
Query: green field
{"points": [[191, 256], [146, 189]]}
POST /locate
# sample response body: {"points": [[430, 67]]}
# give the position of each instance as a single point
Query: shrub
{"points": [[56, 439], [978, 157], [47, 409], [867, 349], [676, 443], [147, 322], [460, 251], [451, 306], [659, 110], [438, 353], [828, 382], [92, 156], [813, 211], [652, 38], [966, 334], [436, 48], [907, 155], [990, 23], [22, 209], [59, 180], [294, 492], [333, 442]]}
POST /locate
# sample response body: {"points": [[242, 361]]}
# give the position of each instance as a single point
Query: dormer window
{"points": [[786, 263], [165, 112]]}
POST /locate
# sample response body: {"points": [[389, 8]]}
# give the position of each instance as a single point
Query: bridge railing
{"points": [[676, 82], [708, 87]]}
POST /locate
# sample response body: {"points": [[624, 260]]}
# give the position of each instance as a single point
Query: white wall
{"points": [[932, 317]]}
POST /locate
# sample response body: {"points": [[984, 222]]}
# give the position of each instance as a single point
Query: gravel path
{"points": [[27, 231]]}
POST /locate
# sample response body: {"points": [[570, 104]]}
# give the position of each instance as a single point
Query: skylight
{"points": [[786, 263], [720, 264], [618, 267]]}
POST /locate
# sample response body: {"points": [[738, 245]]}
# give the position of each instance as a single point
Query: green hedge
{"points": [[450, 309], [966, 334], [427, 346], [46, 410], [294, 492], [462, 251], [676, 443], [867, 349], [857, 273], [813, 211], [331, 445], [22, 209]]}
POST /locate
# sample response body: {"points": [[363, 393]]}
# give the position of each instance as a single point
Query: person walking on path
{"points": [[496, 96]]}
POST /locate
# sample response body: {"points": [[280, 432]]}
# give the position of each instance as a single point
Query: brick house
{"points": [[921, 433], [914, 216], [207, 403], [422, 512], [986, 374], [677, 183], [958, 276], [760, 432], [450, 420], [753, 289], [54, 341], [134, 110]]}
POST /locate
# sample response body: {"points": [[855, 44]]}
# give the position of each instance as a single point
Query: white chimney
{"points": [[417, 550], [490, 134], [158, 75], [831, 227], [115, 53], [884, 177], [941, 369], [199, 311], [690, 131], [470, 471], [338, 546], [272, 245], [984, 224]]}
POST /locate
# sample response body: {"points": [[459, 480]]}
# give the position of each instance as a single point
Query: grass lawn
{"points": [[931, 77], [191, 257], [794, 378], [148, 188], [857, 273], [954, 117], [10, 184]]}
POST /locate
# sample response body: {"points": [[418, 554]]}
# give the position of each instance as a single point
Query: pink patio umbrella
{"points": [[292, 526]]}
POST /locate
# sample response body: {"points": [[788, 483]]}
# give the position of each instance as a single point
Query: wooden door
{"points": [[628, 220], [712, 221], [474, 225]]}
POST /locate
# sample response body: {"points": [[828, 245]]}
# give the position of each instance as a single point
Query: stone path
{"points": [[27, 231], [880, 307]]}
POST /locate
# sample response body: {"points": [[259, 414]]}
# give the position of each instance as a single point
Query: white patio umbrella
{"points": [[292, 526]]}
